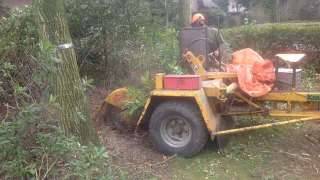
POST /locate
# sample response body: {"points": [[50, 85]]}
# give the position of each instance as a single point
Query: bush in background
{"points": [[111, 35], [115, 41], [156, 52], [270, 39]]}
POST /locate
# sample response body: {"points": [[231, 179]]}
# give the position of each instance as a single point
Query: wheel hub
{"points": [[176, 131]]}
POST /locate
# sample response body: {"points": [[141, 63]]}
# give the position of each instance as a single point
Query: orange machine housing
{"points": [[256, 76]]}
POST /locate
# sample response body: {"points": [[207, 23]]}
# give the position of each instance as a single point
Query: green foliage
{"points": [[18, 43], [157, 52], [135, 106], [223, 5], [100, 29], [268, 4], [164, 12], [154, 51], [310, 11], [113, 38], [119, 39], [115, 41], [32, 146], [271, 8], [275, 37], [309, 79], [273, 12], [216, 17], [162, 49], [139, 94]]}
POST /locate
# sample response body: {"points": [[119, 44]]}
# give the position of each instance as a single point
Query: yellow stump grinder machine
{"points": [[184, 111]]}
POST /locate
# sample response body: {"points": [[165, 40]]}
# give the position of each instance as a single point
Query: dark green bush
{"points": [[100, 29], [164, 13], [33, 147], [111, 35], [31, 144], [270, 39], [158, 52], [114, 39], [18, 46]]}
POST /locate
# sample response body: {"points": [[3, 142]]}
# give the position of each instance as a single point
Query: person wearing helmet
{"points": [[217, 45], [198, 20]]}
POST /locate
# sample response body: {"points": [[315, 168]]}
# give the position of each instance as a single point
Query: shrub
{"points": [[269, 39], [158, 52], [33, 147], [155, 51], [164, 13], [111, 35], [113, 39], [100, 29], [18, 44]]}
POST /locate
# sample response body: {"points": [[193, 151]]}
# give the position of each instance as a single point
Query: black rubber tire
{"points": [[192, 115]]}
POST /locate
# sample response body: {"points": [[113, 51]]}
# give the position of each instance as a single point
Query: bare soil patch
{"points": [[131, 152]]}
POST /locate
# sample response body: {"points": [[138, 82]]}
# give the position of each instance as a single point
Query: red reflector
{"points": [[182, 82]]}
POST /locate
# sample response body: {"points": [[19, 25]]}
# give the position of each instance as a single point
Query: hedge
{"points": [[269, 39]]}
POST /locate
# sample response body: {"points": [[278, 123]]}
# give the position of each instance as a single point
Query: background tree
{"points": [[310, 10], [3, 9], [185, 12], [67, 87], [164, 12]]}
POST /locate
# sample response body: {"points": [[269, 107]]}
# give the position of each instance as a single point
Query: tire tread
{"points": [[194, 116]]}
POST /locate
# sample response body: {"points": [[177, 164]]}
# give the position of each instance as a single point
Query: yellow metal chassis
{"points": [[207, 97], [199, 98], [290, 98], [209, 115]]}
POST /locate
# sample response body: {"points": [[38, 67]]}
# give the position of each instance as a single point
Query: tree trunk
{"points": [[167, 12], [278, 11], [73, 109], [184, 13]]}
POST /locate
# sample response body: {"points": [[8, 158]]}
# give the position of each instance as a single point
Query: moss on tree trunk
{"points": [[73, 109]]}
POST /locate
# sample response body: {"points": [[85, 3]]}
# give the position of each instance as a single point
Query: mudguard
{"points": [[198, 96]]}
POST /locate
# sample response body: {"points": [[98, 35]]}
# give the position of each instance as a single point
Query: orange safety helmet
{"points": [[197, 17]]}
